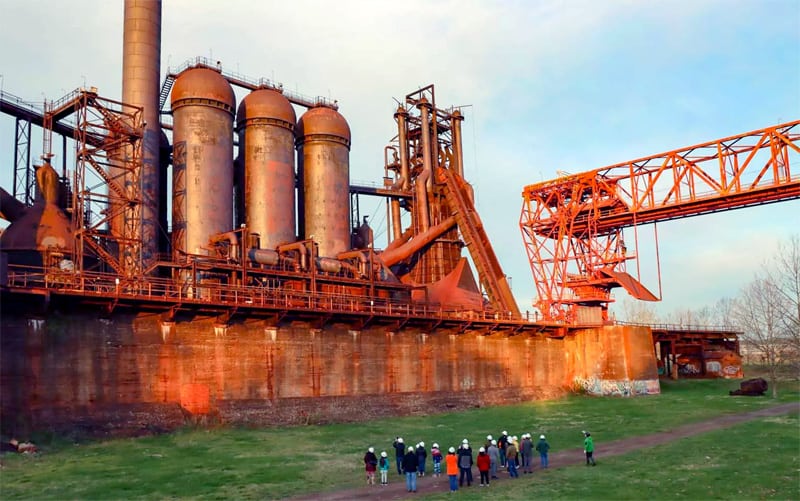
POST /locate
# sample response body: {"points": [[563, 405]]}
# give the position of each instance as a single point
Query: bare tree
{"points": [[785, 272], [760, 313], [638, 312]]}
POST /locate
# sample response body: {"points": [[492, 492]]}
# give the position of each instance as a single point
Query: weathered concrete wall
{"points": [[132, 374]]}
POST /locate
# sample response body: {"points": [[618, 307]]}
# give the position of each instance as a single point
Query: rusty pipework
{"points": [[302, 249], [422, 239], [424, 178], [458, 150], [233, 243]]}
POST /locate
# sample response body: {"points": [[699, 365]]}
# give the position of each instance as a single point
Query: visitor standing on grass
{"points": [[527, 453], [465, 463], [399, 452], [542, 447], [511, 459], [451, 464], [494, 458], [410, 469], [588, 448], [483, 466], [383, 465], [371, 463], [436, 456], [502, 443], [422, 456]]}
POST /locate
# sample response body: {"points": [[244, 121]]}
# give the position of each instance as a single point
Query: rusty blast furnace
{"points": [[265, 298]]}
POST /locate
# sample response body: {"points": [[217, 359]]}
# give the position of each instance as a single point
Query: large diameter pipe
{"points": [[141, 67], [458, 152], [405, 251], [424, 178]]}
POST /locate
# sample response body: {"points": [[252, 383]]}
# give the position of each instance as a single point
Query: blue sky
{"points": [[569, 86]]}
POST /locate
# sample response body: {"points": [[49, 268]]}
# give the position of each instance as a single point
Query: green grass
{"points": [[274, 463], [755, 460]]}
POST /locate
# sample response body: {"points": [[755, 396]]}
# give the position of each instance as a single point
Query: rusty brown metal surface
{"points": [[203, 107], [265, 122], [323, 153], [141, 68]]}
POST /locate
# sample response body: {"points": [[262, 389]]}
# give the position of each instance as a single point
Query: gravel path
{"points": [[428, 484]]}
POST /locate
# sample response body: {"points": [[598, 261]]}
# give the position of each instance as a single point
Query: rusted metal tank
{"points": [[203, 108], [265, 122], [323, 153], [141, 67]]}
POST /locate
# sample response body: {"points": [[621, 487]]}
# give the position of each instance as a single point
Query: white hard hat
{"points": [[410, 449], [400, 440], [465, 441], [452, 449], [435, 445], [488, 437], [514, 438], [383, 454], [541, 436], [422, 444], [494, 442], [505, 432], [371, 449], [481, 450]]}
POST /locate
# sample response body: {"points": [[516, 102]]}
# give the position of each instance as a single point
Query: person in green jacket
{"points": [[588, 448], [543, 448]]}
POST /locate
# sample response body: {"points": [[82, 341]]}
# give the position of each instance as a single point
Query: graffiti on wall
{"points": [[617, 387]]}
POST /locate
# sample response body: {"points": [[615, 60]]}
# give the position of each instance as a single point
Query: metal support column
{"points": [[23, 180]]}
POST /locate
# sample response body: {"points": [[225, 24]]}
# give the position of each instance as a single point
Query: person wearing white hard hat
{"points": [[410, 469], [422, 456], [526, 448], [542, 447], [370, 464], [511, 458], [436, 456], [488, 442], [494, 458], [383, 466], [465, 463], [502, 443], [451, 462], [399, 452], [483, 463]]}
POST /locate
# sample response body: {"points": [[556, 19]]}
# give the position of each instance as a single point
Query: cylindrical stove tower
{"points": [[265, 123], [202, 199], [323, 155], [141, 68]]}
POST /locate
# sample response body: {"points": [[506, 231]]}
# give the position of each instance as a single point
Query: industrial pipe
{"points": [[458, 151], [10, 208], [402, 137], [424, 178], [301, 248], [394, 256]]}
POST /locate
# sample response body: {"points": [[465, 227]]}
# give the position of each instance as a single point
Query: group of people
{"points": [[506, 451]]}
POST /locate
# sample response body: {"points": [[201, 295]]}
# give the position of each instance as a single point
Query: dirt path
{"points": [[397, 487]]}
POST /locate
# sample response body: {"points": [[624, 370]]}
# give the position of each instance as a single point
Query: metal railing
{"points": [[223, 295]]}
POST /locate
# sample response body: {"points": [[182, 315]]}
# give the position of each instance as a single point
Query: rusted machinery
{"points": [[233, 221], [572, 226]]}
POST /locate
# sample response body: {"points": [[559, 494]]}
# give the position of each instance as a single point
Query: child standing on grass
{"points": [[436, 455], [370, 463], [383, 465], [588, 448], [452, 468]]}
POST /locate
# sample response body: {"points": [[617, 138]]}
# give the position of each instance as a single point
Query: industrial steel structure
{"points": [[572, 226]]}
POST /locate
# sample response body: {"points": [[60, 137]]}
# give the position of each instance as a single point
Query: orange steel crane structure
{"points": [[572, 226]]}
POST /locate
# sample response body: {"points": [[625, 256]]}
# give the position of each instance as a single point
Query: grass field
{"points": [[750, 461]]}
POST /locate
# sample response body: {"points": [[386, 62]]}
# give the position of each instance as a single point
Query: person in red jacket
{"points": [[483, 466]]}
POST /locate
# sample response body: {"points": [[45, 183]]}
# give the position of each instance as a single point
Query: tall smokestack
{"points": [[141, 69]]}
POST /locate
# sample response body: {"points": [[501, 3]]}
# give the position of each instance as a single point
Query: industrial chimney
{"points": [[141, 68]]}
